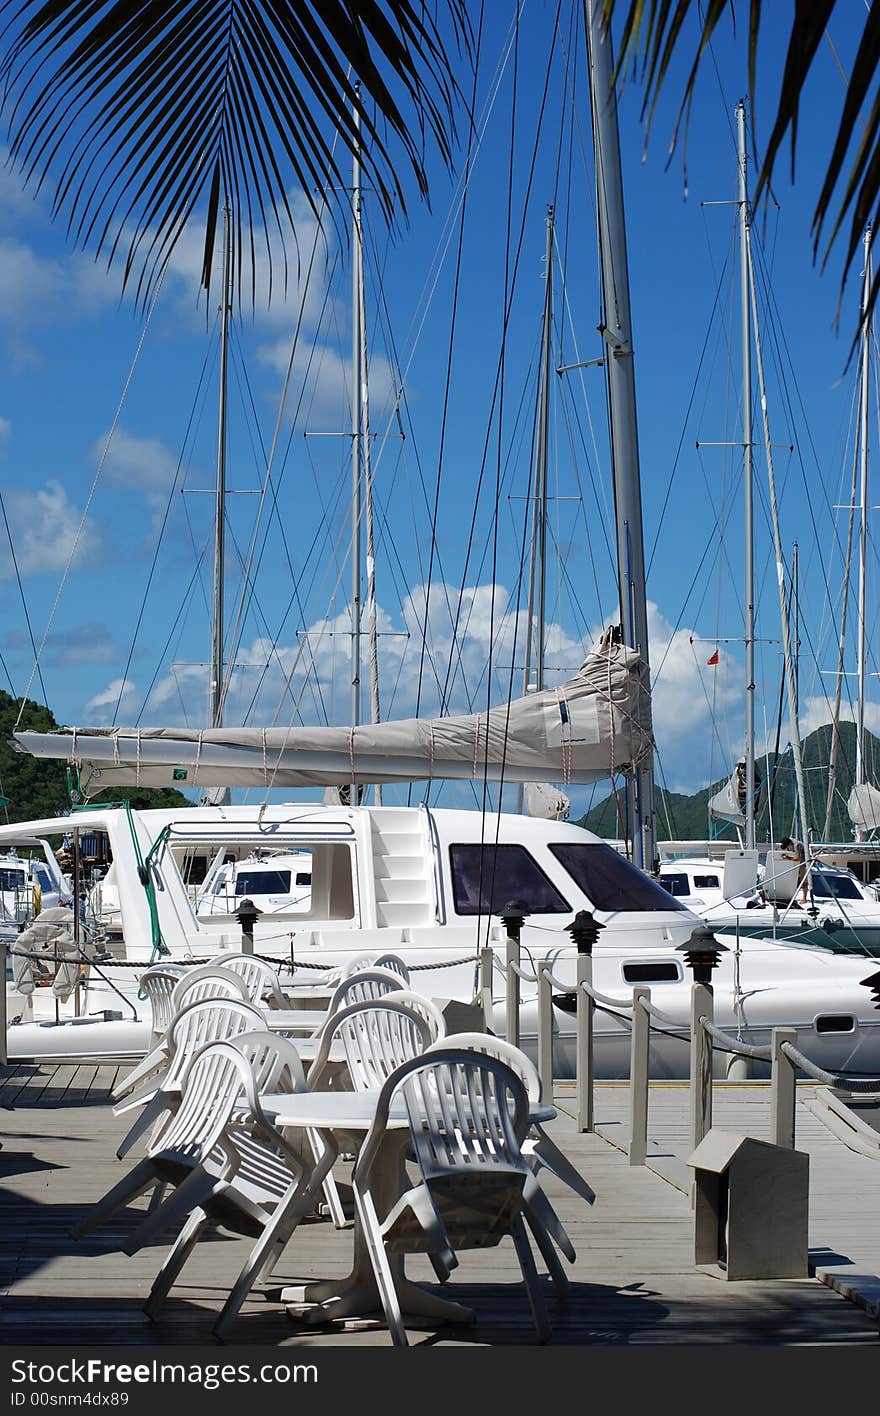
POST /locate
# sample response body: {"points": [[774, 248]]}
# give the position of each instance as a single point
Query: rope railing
{"points": [[846, 1082], [729, 1044]]}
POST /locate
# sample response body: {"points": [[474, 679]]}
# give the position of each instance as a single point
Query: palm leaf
{"points": [[141, 112], [653, 29]]}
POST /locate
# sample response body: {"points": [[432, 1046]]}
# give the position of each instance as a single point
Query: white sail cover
{"points": [[548, 803], [595, 725], [863, 807], [729, 804]]}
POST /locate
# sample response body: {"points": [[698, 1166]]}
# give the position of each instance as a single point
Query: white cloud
{"points": [[276, 300], [34, 290], [45, 528], [118, 690], [141, 464]]}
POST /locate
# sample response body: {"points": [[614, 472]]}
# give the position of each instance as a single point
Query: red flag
{"points": [[713, 660]]}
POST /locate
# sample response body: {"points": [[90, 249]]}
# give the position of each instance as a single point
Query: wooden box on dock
{"points": [[751, 1207]]}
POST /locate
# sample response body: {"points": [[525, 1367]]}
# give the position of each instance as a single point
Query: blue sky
{"points": [[68, 341]]}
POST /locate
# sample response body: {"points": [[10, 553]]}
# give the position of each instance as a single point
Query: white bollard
{"points": [[640, 1040], [782, 1089], [584, 1045], [512, 999]]}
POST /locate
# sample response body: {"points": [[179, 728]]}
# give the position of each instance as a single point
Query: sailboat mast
{"points": [[535, 622], [356, 470], [217, 693], [748, 473], [617, 333], [863, 521], [788, 656]]}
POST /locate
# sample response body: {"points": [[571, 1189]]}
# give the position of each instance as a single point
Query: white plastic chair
{"points": [[362, 986], [259, 978], [377, 1036], [204, 981], [205, 1021], [393, 962], [157, 986], [231, 1168], [538, 1148], [468, 1117]]}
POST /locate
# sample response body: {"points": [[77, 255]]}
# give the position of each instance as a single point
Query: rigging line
{"points": [[432, 279], [462, 631], [27, 617], [8, 677], [567, 414], [160, 536], [669, 485], [180, 612], [93, 489], [305, 643], [505, 325], [270, 461]]}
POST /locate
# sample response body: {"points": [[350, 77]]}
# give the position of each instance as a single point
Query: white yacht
{"points": [[432, 886]]}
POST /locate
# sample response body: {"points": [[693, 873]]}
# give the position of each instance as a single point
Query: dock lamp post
{"points": [[584, 932], [702, 954], [247, 915], [513, 917]]}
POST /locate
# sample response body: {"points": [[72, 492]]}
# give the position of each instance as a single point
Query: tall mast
{"points": [[788, 656], [863, 520], [748, 473], [356, 473], [220, 502], [617, 333], [535, 623]]}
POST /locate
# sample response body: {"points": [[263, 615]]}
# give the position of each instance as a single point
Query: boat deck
{"points": [[634, 1281]]}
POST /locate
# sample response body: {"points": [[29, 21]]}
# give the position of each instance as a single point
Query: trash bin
{"points": [[751, 1207]]}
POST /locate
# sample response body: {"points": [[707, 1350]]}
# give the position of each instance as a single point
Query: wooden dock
{"points": [[634, 1282]]}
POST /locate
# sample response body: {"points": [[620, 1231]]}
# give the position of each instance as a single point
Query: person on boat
{"points": [[793, 849]]}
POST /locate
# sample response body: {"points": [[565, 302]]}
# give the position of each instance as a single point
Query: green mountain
{"points": [[686, 818], [34, 788]]}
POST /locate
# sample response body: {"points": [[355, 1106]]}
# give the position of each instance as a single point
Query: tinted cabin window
{"points": [[262, 882], [12, 879], [838, 887], [676, 884], [610, 882], [486, 878], [707, 882], [304, 877]]}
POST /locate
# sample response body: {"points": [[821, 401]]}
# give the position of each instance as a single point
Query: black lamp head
{"points": [[247, 913], [584, 931], [702, 953], [873, 982]]}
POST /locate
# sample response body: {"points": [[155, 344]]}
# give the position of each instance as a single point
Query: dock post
{"points": [[640, 1040], [702, 1000], [247, 915], [782, 1089], [584, 1044], [486, 982], [545, 1026], [4, 1054], [512, 991], [513, 917]]}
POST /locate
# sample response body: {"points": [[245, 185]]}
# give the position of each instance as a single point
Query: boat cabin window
{"points": [[707, 882], [833, 887], [11, 879], [657, 971], [304, 877], [610, 882], [485, 878], [676, 884], [262, 882]]}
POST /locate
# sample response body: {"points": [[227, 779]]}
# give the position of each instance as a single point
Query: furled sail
{"points": [[729, 804], [548, 803], [863, 807], [595, 725]]}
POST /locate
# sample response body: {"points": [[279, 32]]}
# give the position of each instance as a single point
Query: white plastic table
{"points": [[341, 1114]]}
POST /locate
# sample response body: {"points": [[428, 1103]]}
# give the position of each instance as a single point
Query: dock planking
{"points": [[634, 1282]]}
